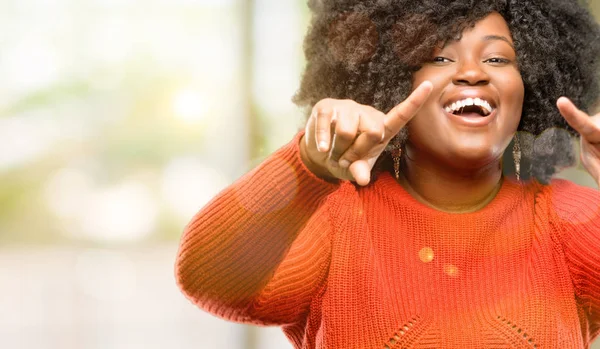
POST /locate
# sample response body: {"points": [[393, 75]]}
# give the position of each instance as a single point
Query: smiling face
{"points": [[476, 102]]}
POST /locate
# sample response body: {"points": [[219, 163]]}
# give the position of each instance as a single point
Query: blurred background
{"points": [[119, 119]]}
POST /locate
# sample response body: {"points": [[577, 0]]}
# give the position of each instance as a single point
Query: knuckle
{"points": [[388, 130], [403, 115], [322, 111], [345, 133], [316, 108], [347, 103], [414, 103], [373, 135], [323, 107], [345, 136], [325, 101], [372, 112], [329, 103]]}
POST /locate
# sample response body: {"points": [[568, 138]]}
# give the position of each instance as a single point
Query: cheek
{"points": [[426, 128], [438, 77], [519, 97], [513, 91]]}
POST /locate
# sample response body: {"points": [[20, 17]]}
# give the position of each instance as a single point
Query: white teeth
{"points": [[485, 105]]}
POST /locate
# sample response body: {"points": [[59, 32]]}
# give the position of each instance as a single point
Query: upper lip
{"points": [[464, 94]]}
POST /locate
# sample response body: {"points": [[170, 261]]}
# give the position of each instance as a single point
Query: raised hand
{"points": [[343, 139], [589, 129]]}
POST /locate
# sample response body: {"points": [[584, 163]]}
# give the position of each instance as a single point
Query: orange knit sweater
{"points": [[341, 266]]}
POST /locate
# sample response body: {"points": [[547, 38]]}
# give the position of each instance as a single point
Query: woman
{"points": [[426, 244]]}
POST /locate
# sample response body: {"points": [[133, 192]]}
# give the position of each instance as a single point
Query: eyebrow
{"points": [[498, 37]]}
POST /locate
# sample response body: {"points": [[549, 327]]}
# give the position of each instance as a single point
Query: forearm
{"points": [[232, 247]]}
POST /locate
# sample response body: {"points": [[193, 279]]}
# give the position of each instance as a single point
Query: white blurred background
{"points": [[119, 119]]}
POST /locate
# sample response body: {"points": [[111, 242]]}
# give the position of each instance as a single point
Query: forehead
{"points": [[492, 25]]}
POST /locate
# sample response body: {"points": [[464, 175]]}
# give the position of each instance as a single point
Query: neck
{"points": [[450, 190]]}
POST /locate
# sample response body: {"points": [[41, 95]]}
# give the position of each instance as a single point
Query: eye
{"points": [[497, 60], [440, 59]]}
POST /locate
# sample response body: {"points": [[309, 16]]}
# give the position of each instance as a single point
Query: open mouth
{"points": [[470, 107]]}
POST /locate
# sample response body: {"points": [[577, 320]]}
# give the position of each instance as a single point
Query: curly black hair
{"points": [[368, 50]]}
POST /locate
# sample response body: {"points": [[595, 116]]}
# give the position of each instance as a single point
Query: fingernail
{"points": [[322, 146], [344, 163], [333, 163]]}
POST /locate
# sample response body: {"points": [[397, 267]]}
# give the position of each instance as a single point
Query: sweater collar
{"points": [[508, 197]]}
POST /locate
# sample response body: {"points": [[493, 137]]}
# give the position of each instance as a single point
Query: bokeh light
{"points": [[426, 254], [187, 185], [125, 212], [451, 270], [67, 192], [190, 106], [24, 139]]}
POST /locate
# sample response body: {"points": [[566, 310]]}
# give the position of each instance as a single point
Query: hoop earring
{"points": [[396, 155], [517, 157]]}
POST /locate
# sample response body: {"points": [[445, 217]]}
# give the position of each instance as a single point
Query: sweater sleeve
{"points": [[576, 212], [258, 252]]}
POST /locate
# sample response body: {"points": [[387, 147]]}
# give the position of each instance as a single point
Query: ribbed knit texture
{"points": [[339, 266]]}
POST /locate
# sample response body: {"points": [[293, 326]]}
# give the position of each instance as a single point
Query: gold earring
{"points": [[396, 155], [517, 157]]}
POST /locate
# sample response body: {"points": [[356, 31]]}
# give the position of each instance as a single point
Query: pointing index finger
{"points": [[579, 120], [401, 114]]}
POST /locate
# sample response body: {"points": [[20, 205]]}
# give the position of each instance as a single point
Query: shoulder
{"points": [[344, 199], [571, 202], [568, 193]]}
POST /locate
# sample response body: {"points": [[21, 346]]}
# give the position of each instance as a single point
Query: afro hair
{"points": [[368, 50]]}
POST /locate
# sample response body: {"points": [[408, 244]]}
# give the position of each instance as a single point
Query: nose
{"points": [[470, 73]]}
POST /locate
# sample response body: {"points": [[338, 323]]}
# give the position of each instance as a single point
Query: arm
{"points": [[257, 251], [576, 212], [260, 249], [582, 239]]}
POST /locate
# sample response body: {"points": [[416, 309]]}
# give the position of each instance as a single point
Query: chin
{"points": [[473, 157]]}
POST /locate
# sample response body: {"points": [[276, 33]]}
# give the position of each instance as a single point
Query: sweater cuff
{"points": [[305, 177], [289, 178]]}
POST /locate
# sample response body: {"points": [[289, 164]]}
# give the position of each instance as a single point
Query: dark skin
{"points": [[456, 166], [452, 162]]}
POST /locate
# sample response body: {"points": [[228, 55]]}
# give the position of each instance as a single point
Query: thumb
{"points": [[361, 171]]}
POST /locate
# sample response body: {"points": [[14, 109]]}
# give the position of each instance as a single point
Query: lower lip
{"points": [[476, 121]]}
